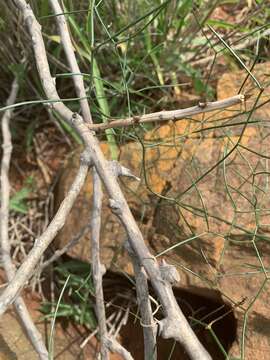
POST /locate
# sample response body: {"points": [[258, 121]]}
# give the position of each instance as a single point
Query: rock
{"points": [[230, 84], [14, 344], [204, 205]]}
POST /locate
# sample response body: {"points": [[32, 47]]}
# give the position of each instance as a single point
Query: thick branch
{"points": [[173, 115], [27, 322], [175, 323]]}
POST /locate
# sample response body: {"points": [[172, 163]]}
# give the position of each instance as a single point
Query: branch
{"points": [[27, 322], [174, 323], [27, 267], [78, 80], [106, 341], [118, 348], [71, 58], [58, 253], [148, 324], [98, 270], [173, 115]]}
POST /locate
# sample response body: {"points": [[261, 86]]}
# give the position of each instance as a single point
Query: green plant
{"points": [[76, 304], [18, 202]]}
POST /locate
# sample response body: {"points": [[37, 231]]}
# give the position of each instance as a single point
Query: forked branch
{"points": [[25, 271], [174, 325]]}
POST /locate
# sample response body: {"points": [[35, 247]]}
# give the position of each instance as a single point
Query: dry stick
{"points": [[174, 325], [93, 333], [98, 268], [148, 324], [58, 253], [71, 58], [116, 347], [173, 115], [106, 342], [27, 322], [27, 267], [123, 321]]}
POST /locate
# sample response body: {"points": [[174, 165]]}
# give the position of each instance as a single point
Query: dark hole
{"points": [[201, 304], [201, 307]]}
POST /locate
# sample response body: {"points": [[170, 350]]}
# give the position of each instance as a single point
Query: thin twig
{"points": [[143, 298], [67, 247], [172, 115], [98, 269], [123, 320], [26, 269], [71, 58], [27, 322], [93, 333], [116, 347]]}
